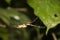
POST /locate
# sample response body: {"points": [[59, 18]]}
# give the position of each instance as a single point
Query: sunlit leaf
{"points": [[8, 1], [47, 10]]}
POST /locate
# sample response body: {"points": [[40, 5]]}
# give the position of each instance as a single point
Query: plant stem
{"points": [[54, 36]]}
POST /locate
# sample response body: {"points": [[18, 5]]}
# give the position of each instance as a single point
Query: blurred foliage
{"points": [[8, 1], [8, 15], [29, 25]]}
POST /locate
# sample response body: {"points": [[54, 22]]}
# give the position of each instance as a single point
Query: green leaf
{"points": [[8, 1], [47, 10]]}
